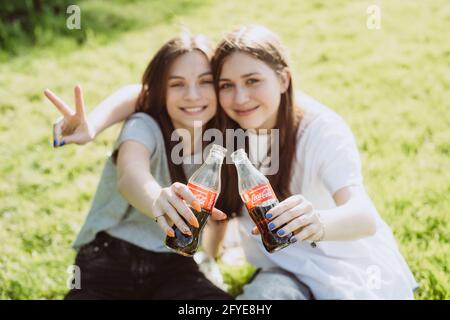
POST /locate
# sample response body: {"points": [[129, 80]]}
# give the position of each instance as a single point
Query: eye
{"points": [[251, 81], [225, 85], [206, 81], [176, 84]]}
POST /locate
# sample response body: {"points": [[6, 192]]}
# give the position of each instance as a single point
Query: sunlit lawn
{"points": [[391, 85]]}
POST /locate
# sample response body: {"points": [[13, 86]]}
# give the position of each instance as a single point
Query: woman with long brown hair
{"points": [[121, 251], [319, 184]]}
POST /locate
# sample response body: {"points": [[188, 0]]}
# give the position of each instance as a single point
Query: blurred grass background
{"points": [[391, 85]]}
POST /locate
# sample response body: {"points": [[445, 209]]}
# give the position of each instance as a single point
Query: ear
{"points": [[285, 79]]}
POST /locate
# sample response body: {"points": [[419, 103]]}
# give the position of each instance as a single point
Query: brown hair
{"points": [[264, 45], [152, 98]]}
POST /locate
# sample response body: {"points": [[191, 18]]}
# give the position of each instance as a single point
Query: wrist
{"points": [[324, 223], [91, 128]]}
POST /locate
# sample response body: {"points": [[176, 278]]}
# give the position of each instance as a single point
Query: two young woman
{"points": [[319, 180]]}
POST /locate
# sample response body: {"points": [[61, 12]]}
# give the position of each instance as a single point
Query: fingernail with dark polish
{"points": [[293, 240], [54, 143], [271, 226], [280, 232], [62, 143], [268, 215]]}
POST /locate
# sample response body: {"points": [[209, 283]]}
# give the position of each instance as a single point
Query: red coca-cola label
{"points": [[258, 195], [205, 196]]}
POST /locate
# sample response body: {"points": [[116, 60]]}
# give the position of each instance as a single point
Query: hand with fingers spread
{"points": [[172, 206], [72, 126], [295, 215]]}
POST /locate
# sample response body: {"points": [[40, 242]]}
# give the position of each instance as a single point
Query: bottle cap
{"points": [[218, 150], [239, 156]]}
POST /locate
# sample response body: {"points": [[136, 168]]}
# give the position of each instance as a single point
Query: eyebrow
{"points": [[207, 73], [243, 76]]}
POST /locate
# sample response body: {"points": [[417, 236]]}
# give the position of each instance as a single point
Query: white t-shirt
{"points": [[327, 160]]}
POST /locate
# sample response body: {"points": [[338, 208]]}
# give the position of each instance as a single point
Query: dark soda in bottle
{"points": [[205, 185], [259, 197]]}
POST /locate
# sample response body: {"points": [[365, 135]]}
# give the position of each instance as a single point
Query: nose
{"points": [[241, 96], [192, 93]]}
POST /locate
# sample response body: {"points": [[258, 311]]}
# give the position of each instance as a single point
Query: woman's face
{"points": [[250, 91], [190, 94]]}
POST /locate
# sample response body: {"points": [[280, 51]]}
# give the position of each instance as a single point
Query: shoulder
{"points": [[144, 118], [318, 118], [141, 128], [143, 123]]}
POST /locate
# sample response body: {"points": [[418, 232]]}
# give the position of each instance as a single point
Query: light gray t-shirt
{"points": [[110, 212]]}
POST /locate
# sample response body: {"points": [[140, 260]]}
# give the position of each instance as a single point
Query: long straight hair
{"points": [[262, 44], [152, 98]]}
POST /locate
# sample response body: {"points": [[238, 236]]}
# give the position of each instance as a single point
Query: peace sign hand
{"points": [[72, 127]]}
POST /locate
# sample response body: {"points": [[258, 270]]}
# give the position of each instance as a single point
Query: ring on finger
{"points": [[157, 217]]}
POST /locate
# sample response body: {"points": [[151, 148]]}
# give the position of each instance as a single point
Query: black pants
{"points": [[111, 268]]}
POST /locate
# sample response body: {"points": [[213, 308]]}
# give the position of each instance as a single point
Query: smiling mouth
{"points": [[245, 112], [193, 110]]}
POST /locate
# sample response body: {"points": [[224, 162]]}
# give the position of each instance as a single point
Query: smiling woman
{"points": [[252, 97], [191, 97], [319, 182], [121, 250]]}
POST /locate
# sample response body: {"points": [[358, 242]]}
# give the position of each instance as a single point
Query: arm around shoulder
{"points": [[115, 108]]}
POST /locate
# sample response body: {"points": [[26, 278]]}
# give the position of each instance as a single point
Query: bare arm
{"points": [[117, 107], [353, 218], [213, 236], [134, 180], [137, 185], [76, 127]]}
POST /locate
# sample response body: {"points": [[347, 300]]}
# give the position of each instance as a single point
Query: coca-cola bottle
{"points": [[205, 185], [259, 197]]}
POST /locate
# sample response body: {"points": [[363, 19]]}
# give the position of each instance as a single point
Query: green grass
{"points": [[391, 85]]}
